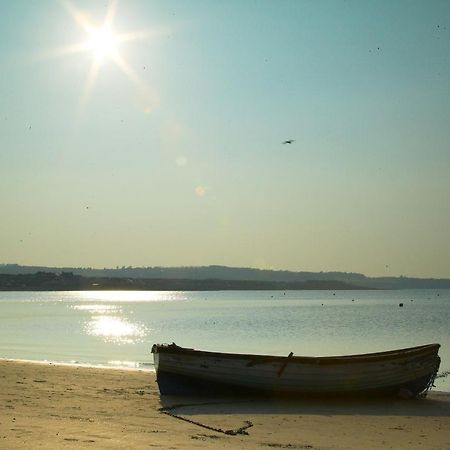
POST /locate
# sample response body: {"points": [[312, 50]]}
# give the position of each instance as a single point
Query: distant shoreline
{"points": [[215, 277], [67, 281]]}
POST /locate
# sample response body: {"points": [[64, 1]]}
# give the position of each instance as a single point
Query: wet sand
{"points": [[50, 406]]}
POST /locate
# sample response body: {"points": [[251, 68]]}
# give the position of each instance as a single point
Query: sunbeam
{"points": [[103, 42]]}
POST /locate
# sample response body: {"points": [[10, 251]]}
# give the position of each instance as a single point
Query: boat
{"points": [[408, 372]]}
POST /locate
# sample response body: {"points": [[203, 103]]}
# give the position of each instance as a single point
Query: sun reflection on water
{"points": [[98, 309], [132, 296], [115, 329], [107, 323]]}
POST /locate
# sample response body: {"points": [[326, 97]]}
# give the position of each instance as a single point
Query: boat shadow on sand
{"points": [[436, 404]]}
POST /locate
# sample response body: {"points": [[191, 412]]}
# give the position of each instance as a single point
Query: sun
{"points": [[103, 43], [101, 40]]}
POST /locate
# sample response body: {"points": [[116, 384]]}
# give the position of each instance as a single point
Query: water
{"points": [[118, 328]]}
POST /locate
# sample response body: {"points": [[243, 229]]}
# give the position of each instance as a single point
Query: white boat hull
{"points": [[182, 370]]}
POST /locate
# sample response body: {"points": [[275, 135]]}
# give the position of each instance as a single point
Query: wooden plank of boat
{"points": [[183, 371]]}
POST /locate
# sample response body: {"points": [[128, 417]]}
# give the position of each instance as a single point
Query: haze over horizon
{"points": [[158, 141], [15, 268]]}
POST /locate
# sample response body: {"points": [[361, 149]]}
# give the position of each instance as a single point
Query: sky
{"points": [[161, 143]]}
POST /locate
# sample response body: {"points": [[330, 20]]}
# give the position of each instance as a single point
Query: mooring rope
{"points": [[432, 378], [168, 410], [443, 374]]}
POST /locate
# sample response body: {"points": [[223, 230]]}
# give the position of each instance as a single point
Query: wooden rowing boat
{"points": [[184, 371]]}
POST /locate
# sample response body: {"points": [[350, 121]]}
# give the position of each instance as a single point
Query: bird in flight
{"points": [[289, 141]]}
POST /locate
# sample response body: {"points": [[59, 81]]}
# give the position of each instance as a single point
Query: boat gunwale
{"points": [[390, 355]]}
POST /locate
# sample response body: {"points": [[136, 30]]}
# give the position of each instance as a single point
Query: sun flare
{"points": [[102, 42]]}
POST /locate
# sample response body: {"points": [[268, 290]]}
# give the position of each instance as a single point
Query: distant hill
{"points": [[230, 274], [67, 281]]}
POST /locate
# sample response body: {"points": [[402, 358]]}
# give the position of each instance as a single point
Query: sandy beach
{"points": [[52, 406]]}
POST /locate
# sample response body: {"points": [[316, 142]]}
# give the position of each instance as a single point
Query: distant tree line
{"points": [[241, 274], [68, 281]]}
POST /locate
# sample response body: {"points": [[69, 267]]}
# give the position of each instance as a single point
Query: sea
{"points": [[118, 328]]}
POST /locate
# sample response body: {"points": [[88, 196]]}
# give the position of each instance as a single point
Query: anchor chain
{"points": [[242, 430]]}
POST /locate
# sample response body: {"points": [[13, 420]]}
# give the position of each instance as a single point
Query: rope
{"points": [[443, 374], [168, 410], [434, 375]]}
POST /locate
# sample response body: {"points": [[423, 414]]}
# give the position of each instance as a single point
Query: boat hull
{"points": [[183, 371]]}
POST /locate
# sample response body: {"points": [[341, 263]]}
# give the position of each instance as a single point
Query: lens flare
{"points": [[200, 191]]}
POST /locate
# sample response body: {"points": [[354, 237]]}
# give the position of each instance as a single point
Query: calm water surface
{"points": [[118, 328]]}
